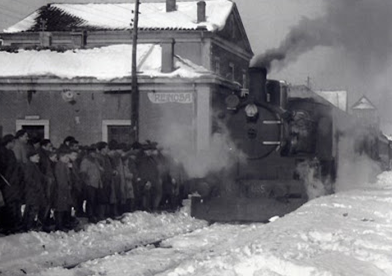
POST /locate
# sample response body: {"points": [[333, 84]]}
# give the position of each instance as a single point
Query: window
{"points": [[35, 128], [118, 130]]}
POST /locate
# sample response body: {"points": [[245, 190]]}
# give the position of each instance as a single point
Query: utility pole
{"points": [[135, 90]]}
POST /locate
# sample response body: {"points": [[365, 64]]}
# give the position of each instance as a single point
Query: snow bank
{"points": [[348, 233], [35, 251]]}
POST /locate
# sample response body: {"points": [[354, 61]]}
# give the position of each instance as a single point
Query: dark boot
{"points": [[59, 218], [29, 215]]}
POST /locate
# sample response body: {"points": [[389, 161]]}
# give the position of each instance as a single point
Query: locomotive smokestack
{"points": [[257, 83]]}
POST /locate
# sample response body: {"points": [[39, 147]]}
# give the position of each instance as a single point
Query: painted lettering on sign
{"points": [[160, 98]]}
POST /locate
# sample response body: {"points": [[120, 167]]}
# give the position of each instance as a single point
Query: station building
{"points": [[66, 70]]}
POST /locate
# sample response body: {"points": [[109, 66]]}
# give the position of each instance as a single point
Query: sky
{"points": [[329, 45]]}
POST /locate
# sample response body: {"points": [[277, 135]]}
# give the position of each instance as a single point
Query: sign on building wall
{"points": [[161, 98]]}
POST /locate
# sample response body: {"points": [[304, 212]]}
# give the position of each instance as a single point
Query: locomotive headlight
{"points": [[251, 110]]}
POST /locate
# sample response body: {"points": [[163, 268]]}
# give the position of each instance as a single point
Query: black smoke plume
{"points": [[361, 27]]}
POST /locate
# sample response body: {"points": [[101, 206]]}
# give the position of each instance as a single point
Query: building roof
{"points": [[67, 17], [337, 98], [105, 63], [303, 92], [363, 103]]}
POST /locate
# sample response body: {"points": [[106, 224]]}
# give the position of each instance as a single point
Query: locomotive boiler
{"points": [[288, 145]]}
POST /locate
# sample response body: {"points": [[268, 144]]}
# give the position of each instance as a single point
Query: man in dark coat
{"points": [[63, 202], [77, 191], [107, 191], [149, 177], [10, 179], [173, 176], [91, 175], [34, 187], [134, 156], [47, 160]]}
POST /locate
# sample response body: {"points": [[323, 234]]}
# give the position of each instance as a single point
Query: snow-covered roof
{"points": [[337, 98], [103, 63], [363, 103], [118, 16], [304, 92]]}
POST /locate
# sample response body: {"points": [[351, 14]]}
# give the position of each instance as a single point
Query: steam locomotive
{"points": [[290, 148]]}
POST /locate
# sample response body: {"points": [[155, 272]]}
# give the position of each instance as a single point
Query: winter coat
{"points": [[34, 185], [77, 183], [148, 171], [129, 178], [20, 150], [177, 172], [119, 179], [12, 172], [147, 168], [90, 172], [107, 191], [63, 200], [164, 173], [44, 161], [47, 167]]}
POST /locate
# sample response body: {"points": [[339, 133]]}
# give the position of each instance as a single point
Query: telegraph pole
{"points": [[135, 90]]}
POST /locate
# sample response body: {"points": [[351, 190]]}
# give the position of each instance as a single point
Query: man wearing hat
{"points": [[149, 176], [106, 193], [67, 143], [34, 185], [10, 173], [63, 202], [91, 174]]}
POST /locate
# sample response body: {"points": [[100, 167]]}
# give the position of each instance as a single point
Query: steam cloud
{"points": [[178, 140], [361, 27], [354, 170]]}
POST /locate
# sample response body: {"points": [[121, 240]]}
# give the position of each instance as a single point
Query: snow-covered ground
{"points": [[348, 233]]}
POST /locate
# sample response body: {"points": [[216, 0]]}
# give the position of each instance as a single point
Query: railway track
{"points": [[138, 244], [34, 252], [154, 243], [165, 256]]}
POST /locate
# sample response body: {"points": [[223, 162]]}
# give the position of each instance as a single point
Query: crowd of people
{"points": [[43, 188]]}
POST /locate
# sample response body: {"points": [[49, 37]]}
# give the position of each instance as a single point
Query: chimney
{"points": [[170, 5], [201, 11], [257, 84], [167, 55]]}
